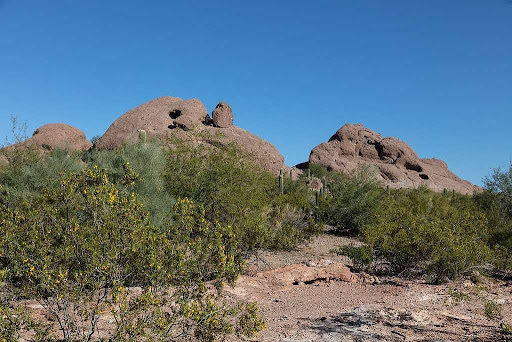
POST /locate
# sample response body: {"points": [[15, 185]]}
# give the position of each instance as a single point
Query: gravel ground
{"points": [[391, 310]]}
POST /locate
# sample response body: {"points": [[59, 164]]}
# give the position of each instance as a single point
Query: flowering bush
{"points": [[81, 249]]}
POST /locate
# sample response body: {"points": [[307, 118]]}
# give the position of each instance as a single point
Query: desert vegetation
{"points": [[419, 232], [145, 234], [149, 236]]}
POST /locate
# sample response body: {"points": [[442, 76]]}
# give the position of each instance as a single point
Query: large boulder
{"points": [[167, 117], [396, 163], [55, 136], [222, 115]]}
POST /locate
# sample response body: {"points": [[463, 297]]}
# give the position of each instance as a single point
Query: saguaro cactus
{"points": [[324, 186], [281, 181], [309, 174], [142, 136], [317, 199]]}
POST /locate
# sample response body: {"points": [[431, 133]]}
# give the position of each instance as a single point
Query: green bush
{"points": [[493, 310], [148, 161], [496, 202], [361, 256], [15, 321], [28, 171], [79, 247], [422, 232], [317, 170], [236, 192], [350, 201]]}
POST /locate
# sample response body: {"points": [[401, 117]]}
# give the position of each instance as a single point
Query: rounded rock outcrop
{"points": [[167, 117], [55, 136], [397, 164], [157, 117]]}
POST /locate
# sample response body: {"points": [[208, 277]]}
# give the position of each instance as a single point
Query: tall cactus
{"points": [[324, 186], [309, 175], [281, 181], [142, 136], [291, 173], [317, 199]]}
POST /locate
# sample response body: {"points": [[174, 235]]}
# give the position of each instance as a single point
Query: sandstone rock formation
{"points": [[55, 135], [301, 274], [222, 115], [171, 116], [395, 161]]}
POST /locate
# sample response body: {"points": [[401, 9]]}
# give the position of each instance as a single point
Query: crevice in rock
{"points": [[423, 176], [413, 167], [174, 114]]}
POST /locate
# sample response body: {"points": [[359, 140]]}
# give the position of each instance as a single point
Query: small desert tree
{"points": [[82, 246]]}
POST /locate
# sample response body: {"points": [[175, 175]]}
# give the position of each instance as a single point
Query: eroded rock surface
{"points": [[394, 161], [167, 116], [303, 274], [55, 136]]}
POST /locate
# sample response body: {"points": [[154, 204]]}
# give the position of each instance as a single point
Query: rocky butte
{"points": [[394, 161]]}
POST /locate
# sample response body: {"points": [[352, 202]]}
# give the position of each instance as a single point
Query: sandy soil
{"points": [[391, 309]]}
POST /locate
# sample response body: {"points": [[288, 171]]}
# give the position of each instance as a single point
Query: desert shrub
{"points": [[361, 256], [29, 171], [458, 295], [493, 310], [296, 194], [15, 321], [292, 226], [422, 232], [79, 246], [317, 170], [147, 160], [496, 202], [236, 192], [18, 131], [350, 201]]}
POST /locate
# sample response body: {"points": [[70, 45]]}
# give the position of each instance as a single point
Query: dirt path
{"points": [[389, 310]]}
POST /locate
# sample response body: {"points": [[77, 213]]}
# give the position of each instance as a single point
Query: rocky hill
{"points": [[167, 116], [395, 161], [53, 136]]}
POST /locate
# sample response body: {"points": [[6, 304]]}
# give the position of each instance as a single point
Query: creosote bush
{"points": [[81, 247], [422, 232], [350, 200], [234, 191], [496, 202]]}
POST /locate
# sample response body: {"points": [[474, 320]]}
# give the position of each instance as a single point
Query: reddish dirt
{"points": [[392, 309]]}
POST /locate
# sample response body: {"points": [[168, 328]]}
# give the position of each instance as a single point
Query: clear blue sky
{"points": [[436, 74]]}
